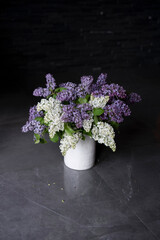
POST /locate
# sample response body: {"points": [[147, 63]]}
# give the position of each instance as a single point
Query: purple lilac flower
{"points": [[65, 95], [38, 92], [84, 115], [84, 87], [114, 90], [71, 114], [81, 91], [38, 128], [77, 119], [72, 104], [67, 115], [33, 113], [86, 81], [34, 126], [101, 79], [68, 85], [50, 86], [134, 97], [41, 92], [46, 92], [83, 109], [50, 82], [116, 111], [68, 108], [97, 93], [69, 94], [94, 87], [25, 127], [85, 106]]}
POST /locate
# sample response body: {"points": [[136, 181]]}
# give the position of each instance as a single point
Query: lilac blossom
{"points": [[46, 92], [134, 97], [50, 82], [115, 107], [85, 106], [73, 104], [67, 115], [83, 109], [98, 93], [77, 119], [94, 87], [41, 92], [50, 86], [68, 94], [81, 91], [65, 95], [38, 92], [34, 126], [73, 115], [86, 81], [68, 85], [33, 113], [84, 87], [85, 116], [116, 111], [114, 90], [101, 79]]}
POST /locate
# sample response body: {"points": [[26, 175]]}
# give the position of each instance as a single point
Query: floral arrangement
{"points": [[71, 111]]}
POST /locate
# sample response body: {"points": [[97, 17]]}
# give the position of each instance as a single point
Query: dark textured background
{"points": [[119, 197], [70, 39]]}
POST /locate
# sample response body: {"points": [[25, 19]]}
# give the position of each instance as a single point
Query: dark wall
{"points": [[70, 39]]}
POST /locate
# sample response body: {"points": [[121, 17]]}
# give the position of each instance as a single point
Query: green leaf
{"points": [[98, 111], [87, 133], [65, 103], [54, 95], [60, 134], [82, 100], [55, 138], [87, 97], [40, 119], [45, 130], [37, 136], [60, 89], [83, 137], [68, 129], [115, 125], [48, 96], [42, 140], [56, 90], [95, 119]]}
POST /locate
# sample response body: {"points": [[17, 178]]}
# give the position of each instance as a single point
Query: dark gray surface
{"points": [[118, 199]]}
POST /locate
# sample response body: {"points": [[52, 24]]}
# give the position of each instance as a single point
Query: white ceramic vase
{"points": [[83, 156]]}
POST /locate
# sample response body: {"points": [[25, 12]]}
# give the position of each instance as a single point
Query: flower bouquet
{"points": [[71, 112]]}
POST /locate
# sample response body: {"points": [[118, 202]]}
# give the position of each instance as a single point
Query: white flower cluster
{"points": [[87, 124], [104, 133], [69, 142], [98, 102], [53, 112]]}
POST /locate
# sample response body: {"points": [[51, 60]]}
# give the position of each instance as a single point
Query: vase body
{"points": [[83, 156]]}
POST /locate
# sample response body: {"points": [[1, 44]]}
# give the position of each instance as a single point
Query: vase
{"points": [[83, 156]]}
